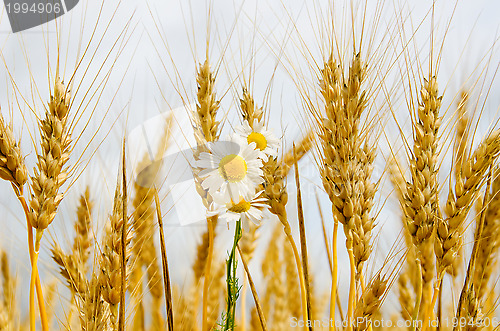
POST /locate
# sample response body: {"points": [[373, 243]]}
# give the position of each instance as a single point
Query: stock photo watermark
{"points": [[26, 14], [446, 322]]}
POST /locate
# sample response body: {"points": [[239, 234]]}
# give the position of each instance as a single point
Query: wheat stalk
{"points": [[166, 275]]}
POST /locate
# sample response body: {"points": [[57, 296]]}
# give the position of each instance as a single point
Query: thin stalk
{"points": [[334, 294], [208, 266], [31, 248], [325, 236], [164, 262], [243, 317], [440, 306], [437, 292], [232, 281], [303, 243], [300, 272], [123, 262], [418, 300], [32, 292], [254, 292], [352, 288]]}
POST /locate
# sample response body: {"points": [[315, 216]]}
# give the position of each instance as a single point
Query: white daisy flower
{"points": [[264, 140], [248, 210], [231, 169]]}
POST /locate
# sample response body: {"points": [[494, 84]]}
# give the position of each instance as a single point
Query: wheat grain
{"points": [[249, 111], [71, 270], [8, 304], [460, 201], [461, 135], [271, 258], [202, 254], [421, 205], [346, 165], [471, 313], [291, 283], [280, 314], [407, 280], [301, 149], [254, 320], [369, 302], [83, 239], [248, 241], [50, 296], [216, 294], [51, 171], [347, 159], [406, 297], [275, 189], [12, 167], [110, 279], [143, 225], [93, 314], [155, 286], [185, 311], [207, 128], [489, 242], [460, 150]]}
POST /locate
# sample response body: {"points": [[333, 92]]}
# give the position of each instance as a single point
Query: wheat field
{"points": [[322, 165]]}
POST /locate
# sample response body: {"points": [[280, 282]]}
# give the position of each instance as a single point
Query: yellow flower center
{"points": [[240, 207], [258, 139], [233, 168]]}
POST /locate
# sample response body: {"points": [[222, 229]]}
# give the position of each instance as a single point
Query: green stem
{"points": [[232, 281]]}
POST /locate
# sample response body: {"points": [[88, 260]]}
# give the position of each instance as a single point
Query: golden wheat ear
{"points": [[274, 190], [489, 241], [83, 228], [51, 172], [346, 163], [12, 167], [8, 304], [460, 201], [110, 279], [93, 313], [249, 111], [369, 303]]}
